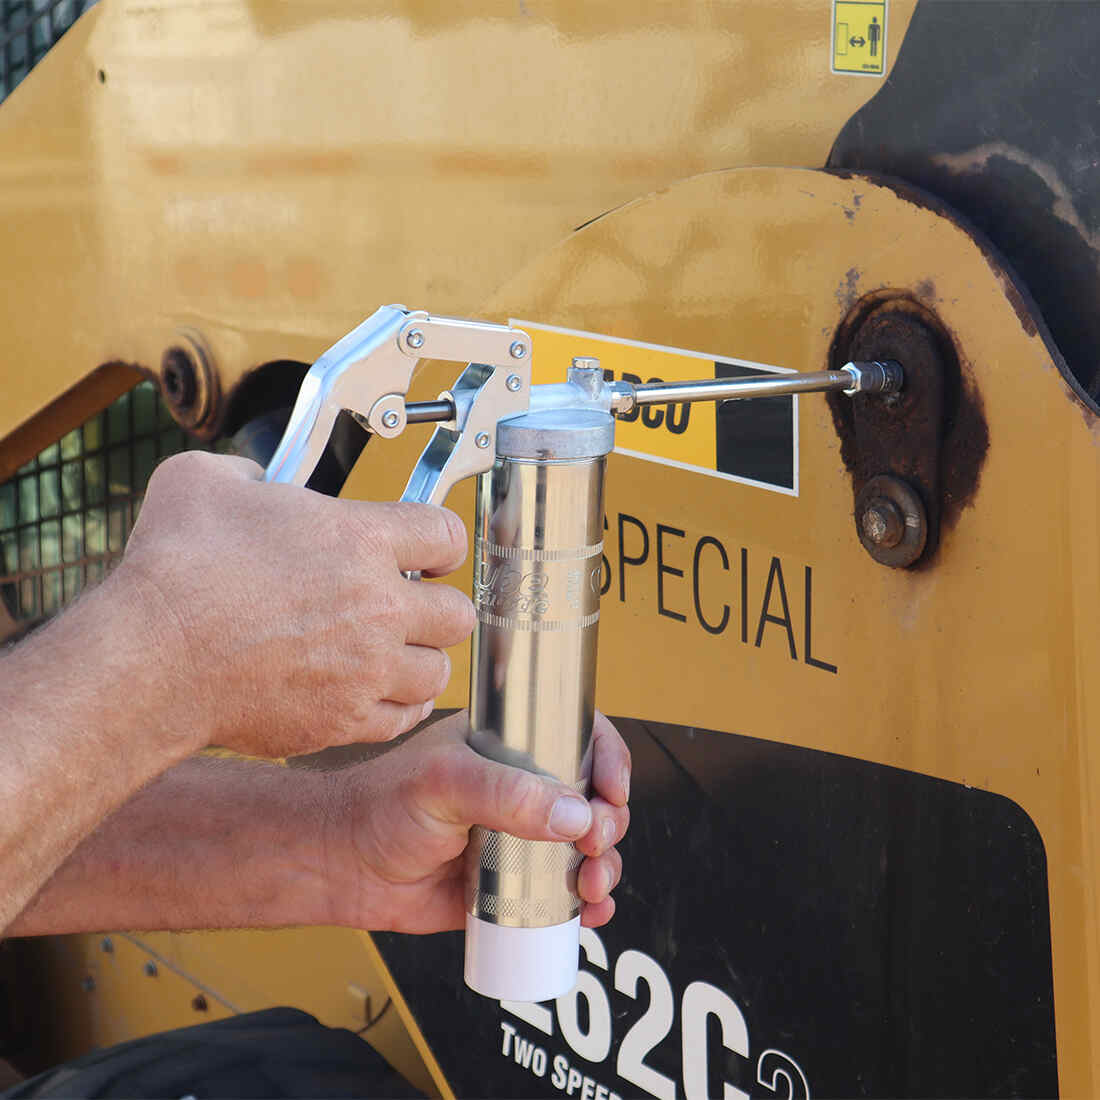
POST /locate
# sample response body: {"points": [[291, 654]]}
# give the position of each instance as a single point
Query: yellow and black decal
{"points": [[859, 37], [755, 444]]}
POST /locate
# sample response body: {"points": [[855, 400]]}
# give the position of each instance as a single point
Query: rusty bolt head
{"points": [[199, 1003], [882, 522], [891, 521]]}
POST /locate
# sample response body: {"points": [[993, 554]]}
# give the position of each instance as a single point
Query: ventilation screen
{"points": [[65, 516], [28, 28]]}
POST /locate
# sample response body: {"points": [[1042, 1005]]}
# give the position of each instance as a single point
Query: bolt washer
{"points": [[915, 531]]}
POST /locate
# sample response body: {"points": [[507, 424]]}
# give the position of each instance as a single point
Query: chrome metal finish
{"points": [[585, 362], [622, 398], [387, 416], [537, 575], [483, 439], [480, 398], [333, 383], [735, 389], [368, 373], [874, 377], [886, 377], [586, 374], [514, 383], [463, 341], [427, 412]]}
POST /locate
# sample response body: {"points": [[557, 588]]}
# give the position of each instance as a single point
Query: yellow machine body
{"points": [[250, 179]]}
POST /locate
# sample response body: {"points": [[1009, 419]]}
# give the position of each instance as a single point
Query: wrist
{"points": [[149, 643], [333, 854], [310, 882]]}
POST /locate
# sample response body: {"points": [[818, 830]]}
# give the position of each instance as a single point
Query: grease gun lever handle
{"points": [[368, 374]]}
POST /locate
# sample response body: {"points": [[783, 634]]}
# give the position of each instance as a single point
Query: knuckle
{"points": [[457, 613], [389, 724], [438, 528], [370, 529], [467, 614], [386, 608], [181, 465], [519, 795], [616, 865], [384, 722], [179, 472], [408, 719], [454, 531], [436, 775], [443, 673]]}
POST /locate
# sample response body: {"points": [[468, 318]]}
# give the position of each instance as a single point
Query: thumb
{"points": [[478, 791]]}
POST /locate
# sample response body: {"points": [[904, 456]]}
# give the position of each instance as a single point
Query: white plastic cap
{"points": [[521, 964]]}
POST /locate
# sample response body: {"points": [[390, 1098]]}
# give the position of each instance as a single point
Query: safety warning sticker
{"points": [[859, 37], [753, 442]]}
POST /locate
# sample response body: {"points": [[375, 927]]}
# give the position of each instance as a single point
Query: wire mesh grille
{"points": [[66, 515], [28, 28]]}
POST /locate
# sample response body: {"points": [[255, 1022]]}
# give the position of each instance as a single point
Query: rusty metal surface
{"points": [[933, 435]]}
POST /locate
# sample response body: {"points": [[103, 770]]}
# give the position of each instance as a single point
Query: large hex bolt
{"points": [[891, 521]]}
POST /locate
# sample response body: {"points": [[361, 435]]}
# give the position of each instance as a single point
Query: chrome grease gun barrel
{"points": [[537, 576]]}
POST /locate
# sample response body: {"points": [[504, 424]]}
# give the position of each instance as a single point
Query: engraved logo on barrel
{"points": [[505, 590]]}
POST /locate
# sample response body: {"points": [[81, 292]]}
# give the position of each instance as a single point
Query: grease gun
{"points": [[539, 454]]}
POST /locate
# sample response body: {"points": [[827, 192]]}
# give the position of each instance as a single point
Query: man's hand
{"points": [[283, 614], [217, 843], [395, 839]]}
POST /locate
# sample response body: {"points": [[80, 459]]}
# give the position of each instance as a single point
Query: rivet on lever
{"points": [[514, 383], [518, 350], [387, 416], [482, 440], [415, 338]]}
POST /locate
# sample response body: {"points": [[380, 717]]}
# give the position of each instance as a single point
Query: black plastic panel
{"points": [[882, 933]]}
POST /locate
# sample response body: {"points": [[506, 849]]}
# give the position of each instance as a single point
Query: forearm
{"points": [[81, 730], [212, 843]]}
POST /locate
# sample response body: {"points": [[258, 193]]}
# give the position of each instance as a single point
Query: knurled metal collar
{"points": [[556, 435]]}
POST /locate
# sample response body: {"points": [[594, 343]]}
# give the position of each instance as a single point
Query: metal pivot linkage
{"points": [[539, 453]]}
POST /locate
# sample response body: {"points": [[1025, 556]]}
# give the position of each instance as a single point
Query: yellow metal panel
{"points": [[94, 998], [329, 972], [268, 173], [975, 669], [87, 997]]}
